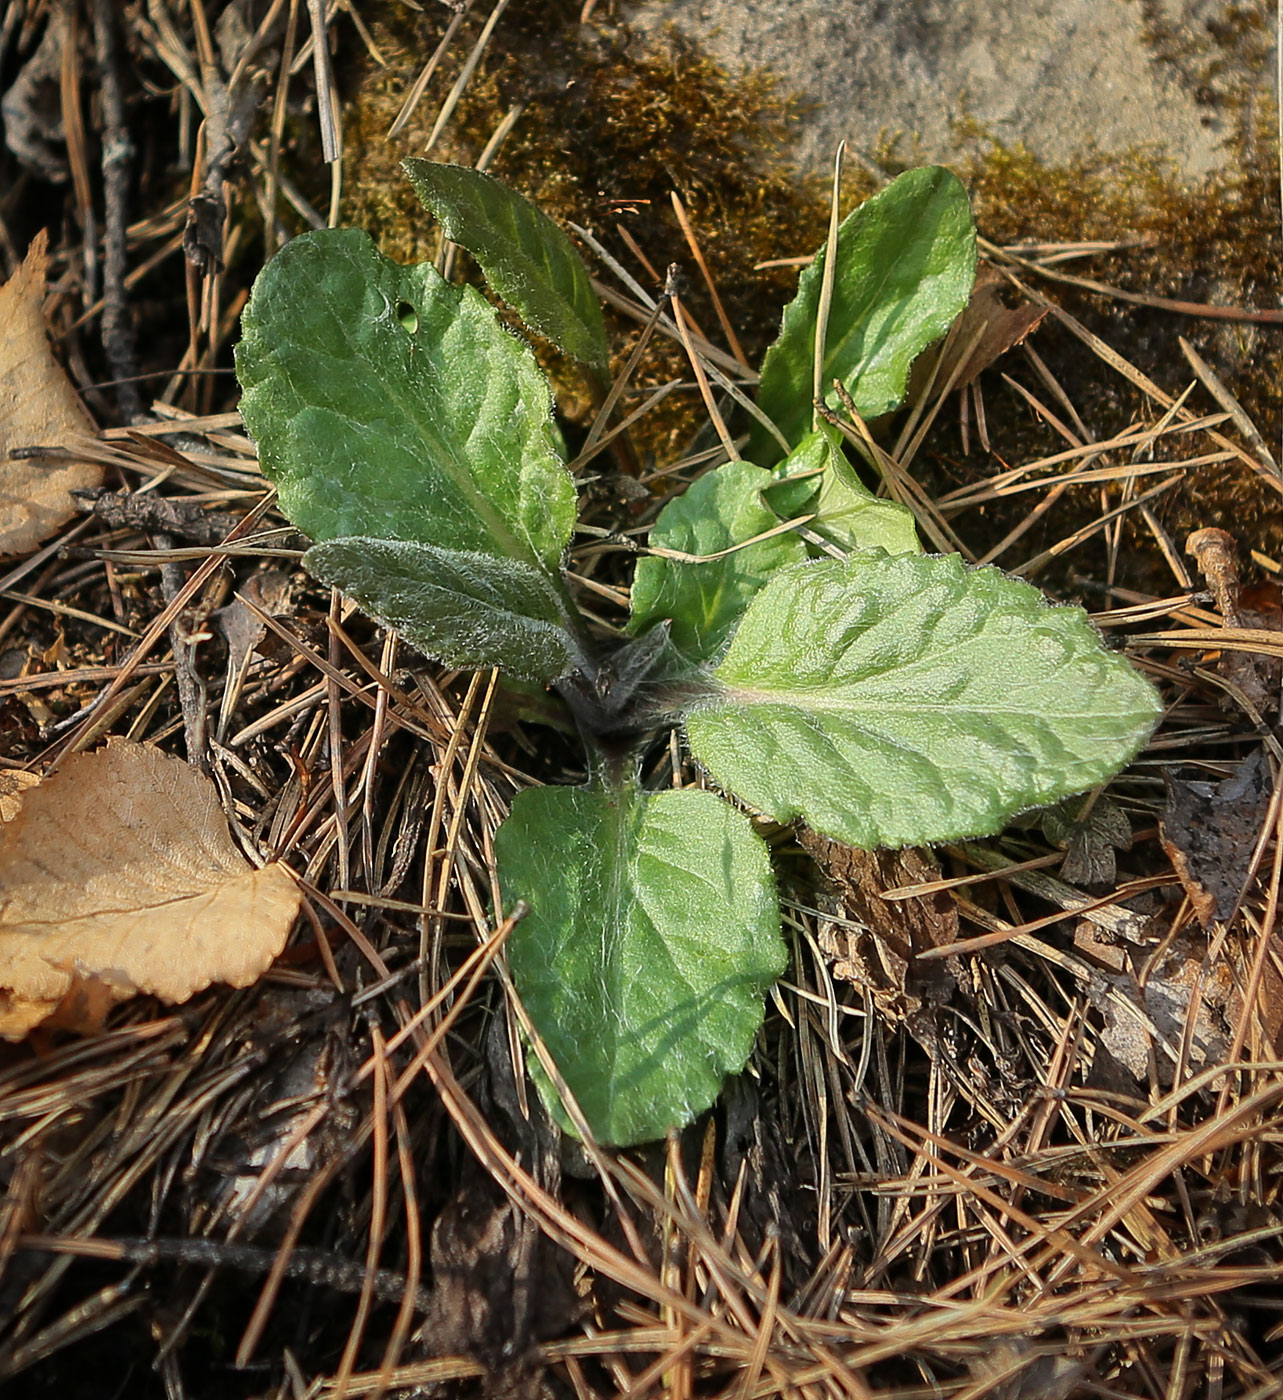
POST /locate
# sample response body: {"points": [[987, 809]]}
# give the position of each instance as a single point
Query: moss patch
{"points": [[1215, 244]]}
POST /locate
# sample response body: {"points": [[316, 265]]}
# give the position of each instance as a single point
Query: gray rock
{"points": [[1065, 77]]}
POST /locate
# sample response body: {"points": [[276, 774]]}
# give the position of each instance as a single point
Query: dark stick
{"points": [[317, 1266], [118, 342], [228, 121], [191, 689], [117, 154]]}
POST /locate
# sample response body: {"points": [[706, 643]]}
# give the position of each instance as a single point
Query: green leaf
{"points": [[705, 601], [526, 258], [847, 513], [466, 609], [654, 931], [906, 260], [387, 403], [900, 701]]}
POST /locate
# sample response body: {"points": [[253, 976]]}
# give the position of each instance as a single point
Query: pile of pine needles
{"points": [[1015, 1126]]}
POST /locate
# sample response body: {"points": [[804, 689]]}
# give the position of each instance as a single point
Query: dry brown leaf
{"points": [[883, 959], [38, 408], [1210, 830], [1089, 832], [13, 783], [1269, 1010], [119, 870], [999, 327], [1256, 678], [1177, 986]]}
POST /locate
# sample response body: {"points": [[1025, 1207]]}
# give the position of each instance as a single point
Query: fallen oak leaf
{"points": [[119, 870], [38, 408]]}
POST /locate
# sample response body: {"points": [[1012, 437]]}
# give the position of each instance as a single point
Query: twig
{"points": [[229, 113], [317, 1266], [326, 109], [117, 156], [191, 689]]}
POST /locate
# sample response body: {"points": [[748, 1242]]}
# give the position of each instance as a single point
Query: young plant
{"points": [[840, 677]]}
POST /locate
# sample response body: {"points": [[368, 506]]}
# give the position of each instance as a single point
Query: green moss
{"points": [[1215, 244]]}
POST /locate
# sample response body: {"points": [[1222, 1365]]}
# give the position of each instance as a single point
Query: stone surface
{"points": [[1065, 77]]}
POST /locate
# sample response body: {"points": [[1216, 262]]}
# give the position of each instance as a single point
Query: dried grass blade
{"points": [[465, 76]]}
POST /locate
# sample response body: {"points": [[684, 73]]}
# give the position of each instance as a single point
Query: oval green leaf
{"points": [[653, 933], [526, 258], [387, 403], [468, 610], [906, 262], [721, 510], [900, 701], [816, 478]]}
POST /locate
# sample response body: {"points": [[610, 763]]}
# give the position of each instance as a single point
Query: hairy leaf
{"points": [[705, 600], [906, 261], [469, 610], [389, 404], [526, 258], [653, 933], [817, 478], [900, 701]]}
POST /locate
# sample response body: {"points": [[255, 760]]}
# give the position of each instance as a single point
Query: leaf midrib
{"points": [[834, 700], [453, 468], [625, 842]]}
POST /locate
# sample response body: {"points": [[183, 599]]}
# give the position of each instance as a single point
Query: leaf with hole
{"points": [[885, 697], [652, 934], [526, 258], [440, 433], [469, 610], [722, 510], [897, 701], [906, 262]]}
